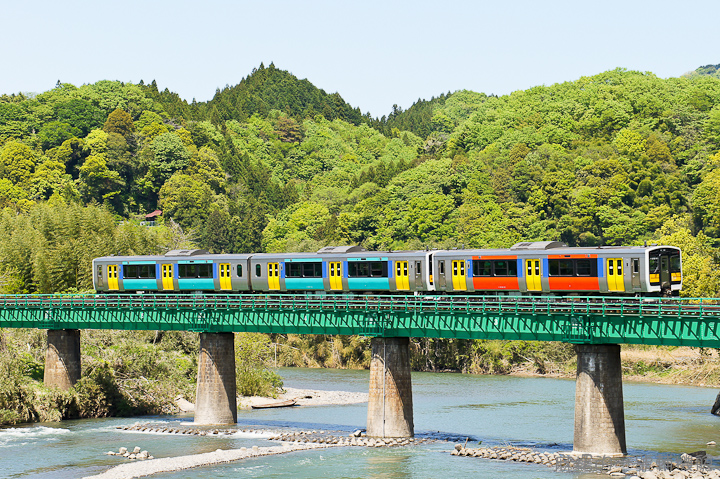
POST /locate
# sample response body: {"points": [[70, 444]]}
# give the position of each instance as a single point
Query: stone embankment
{"points": [[558, 460], [355, 439], [190, 431]]}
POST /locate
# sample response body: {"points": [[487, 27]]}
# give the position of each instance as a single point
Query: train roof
{"points": [[200, 255], [519, 249], [547, 247], [168, 256]]}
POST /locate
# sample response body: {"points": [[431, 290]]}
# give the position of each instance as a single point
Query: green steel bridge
{"points": [[574, 319]]}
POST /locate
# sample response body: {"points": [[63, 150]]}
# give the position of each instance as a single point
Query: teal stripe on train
{"points": [[303, 283], [140, 284], [196, 284], [367, 284]]}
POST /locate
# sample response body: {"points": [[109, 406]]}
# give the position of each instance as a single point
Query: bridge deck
{"points": [[596, 320]]}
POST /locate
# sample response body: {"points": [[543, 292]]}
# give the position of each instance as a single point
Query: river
{"points": [[660, 421]]}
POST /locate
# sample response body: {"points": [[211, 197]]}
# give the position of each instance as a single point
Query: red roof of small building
{"points": [[153, 214]]}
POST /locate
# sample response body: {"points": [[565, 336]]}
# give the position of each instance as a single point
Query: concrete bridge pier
{"points": [[62, 358], [599, 414], [216, 399], [390, 409]]}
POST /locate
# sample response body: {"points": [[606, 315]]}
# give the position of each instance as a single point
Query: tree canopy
{"points": [[276, 164]]}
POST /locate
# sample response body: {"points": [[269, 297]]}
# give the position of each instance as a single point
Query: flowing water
{"points": [[661, 422]]}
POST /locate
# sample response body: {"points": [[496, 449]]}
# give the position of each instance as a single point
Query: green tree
{"points": [[97, 181], [55, 133], [17, 162], [206, 168], [169, 156], [120, 122], [186, 200]]}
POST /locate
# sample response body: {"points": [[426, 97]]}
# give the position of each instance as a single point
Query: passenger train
{"points": [[548, 267]]}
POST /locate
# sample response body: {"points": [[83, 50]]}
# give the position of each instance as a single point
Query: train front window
{"points": [[654, 266], [675, 263]]}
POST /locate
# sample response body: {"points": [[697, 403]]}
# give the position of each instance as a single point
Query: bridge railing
{"points": [[540, 305], [577, 319]]}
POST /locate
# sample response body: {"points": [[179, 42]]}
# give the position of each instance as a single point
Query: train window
{"points": [[144, 271], [561, 267], [258, 270], [293, 270], [565, 267], [583, 267], [505, 268], [369, 269], [239, 271], [441, 267], [418, 267], [636, 265], [573, 267], [654, 265], [303, 270], [482, 268], [195, 270], [139, 271], [501, 268], [675, 264]]}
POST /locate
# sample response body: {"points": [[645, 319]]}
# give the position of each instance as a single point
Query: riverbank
{"points": [[307, 397], [302, 397], [652, 364]]}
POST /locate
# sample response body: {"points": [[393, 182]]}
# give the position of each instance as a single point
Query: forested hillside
{"points": [[276, 164]]}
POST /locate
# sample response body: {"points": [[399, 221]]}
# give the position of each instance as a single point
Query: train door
{"points": [[458, 275], [274, 276], [441, 275], [225, 279], [635, 273], [335, 276], [167, 277], [112, 275], [664, 270], [402, 282], [534, 276], [615, 275]]}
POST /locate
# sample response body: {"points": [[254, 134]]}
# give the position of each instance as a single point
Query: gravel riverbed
{"points": [[170, 464]]}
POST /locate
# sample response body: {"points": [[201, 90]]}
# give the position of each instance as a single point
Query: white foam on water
{"points": [[22, 436]]}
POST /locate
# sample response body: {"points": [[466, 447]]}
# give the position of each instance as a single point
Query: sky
{"points": [[375, 54]]}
